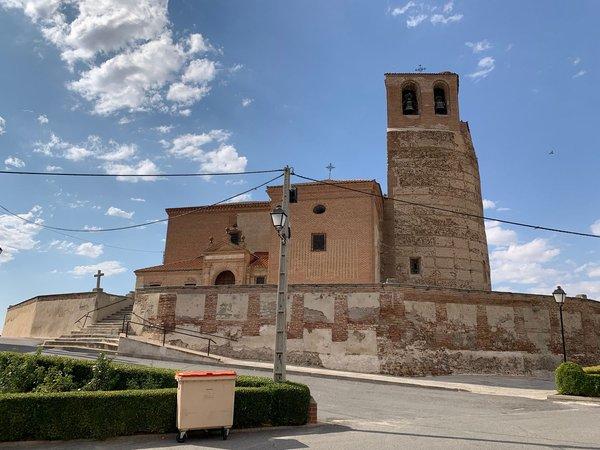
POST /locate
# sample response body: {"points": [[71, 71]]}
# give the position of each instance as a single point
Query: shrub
{"points": [[84, 415], [25, 373], [592, 370], [135, 406], [572, 379]]}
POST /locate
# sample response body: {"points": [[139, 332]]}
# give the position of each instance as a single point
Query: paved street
{"points": [[366, 415]]}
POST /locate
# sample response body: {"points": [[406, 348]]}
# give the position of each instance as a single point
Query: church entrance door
{"points": [[225, 277]]}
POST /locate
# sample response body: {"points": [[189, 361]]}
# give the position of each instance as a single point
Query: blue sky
{"points": [[150, 87]]}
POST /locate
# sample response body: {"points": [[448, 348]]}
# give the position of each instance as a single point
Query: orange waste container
{"points": [[205, 401]]}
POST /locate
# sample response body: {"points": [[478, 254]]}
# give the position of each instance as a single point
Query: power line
{"points": [[162, 175], [438, 208], [58, 230]]}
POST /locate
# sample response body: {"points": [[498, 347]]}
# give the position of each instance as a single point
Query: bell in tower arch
{"points": [[440, 101], [409, 102]]}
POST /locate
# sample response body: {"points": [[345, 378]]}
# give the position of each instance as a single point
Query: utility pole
{"points": [[281, 314]]}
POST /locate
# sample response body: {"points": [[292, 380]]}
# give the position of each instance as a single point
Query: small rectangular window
{"points": [[235, 238], [415, 266], [261, 280], [318, 242]]}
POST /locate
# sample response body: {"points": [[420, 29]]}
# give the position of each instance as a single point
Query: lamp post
{"points": [[281, 222], [560, 295]]}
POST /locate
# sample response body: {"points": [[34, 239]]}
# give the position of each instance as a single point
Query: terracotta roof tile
{"points": [[186, 264], [262, 260], [237, 205]]}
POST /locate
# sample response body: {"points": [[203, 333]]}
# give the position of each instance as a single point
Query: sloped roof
{"points": [[182, 265], [223, 206], [261, 260]]}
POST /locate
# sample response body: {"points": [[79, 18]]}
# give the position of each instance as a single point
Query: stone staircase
{"points": [[102, 336]]}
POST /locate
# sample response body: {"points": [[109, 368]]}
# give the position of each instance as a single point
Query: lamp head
{"points": [[559, 295]]}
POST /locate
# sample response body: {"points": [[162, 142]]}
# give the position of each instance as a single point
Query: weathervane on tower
{"points": [[420, 68]]}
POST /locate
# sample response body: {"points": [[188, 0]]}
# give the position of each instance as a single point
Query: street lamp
{"points": [[560, 295], [279, 218], [281, 222]]}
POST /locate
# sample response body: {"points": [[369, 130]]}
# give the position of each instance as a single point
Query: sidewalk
{"points": [[537, 388]]}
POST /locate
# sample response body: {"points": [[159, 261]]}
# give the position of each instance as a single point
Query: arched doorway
{"points": [[225, 277]]}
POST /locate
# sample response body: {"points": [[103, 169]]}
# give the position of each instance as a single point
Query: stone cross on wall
{"points": [[98, 276]]}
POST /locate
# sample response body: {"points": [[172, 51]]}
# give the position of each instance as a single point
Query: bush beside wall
{"points": [[85, 415], [572, 379], [259, 401]]}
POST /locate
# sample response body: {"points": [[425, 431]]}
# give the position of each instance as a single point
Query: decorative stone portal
{"points": [[225, 277]]}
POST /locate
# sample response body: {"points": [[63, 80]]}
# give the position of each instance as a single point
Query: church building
{"points": [[426, 231]]}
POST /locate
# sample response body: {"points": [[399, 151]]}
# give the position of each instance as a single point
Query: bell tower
{"points": [[431, 162]]}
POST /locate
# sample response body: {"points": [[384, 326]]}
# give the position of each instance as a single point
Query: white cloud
{"points": [[185, 112], [484, 67], [2, 126], [125, 120], [107, 267], [576, 60], [488, 204], [236, 68], [398, 11], [191, 145], [439, 18], [117, 212], [87, 249], [595, 227], [247, 102], [448, 7], [130, 80], [223, 158], [16, 235], [201, 71], [119, 152], [56, 147], [197, 44], [580, 73], [90, 250], [479, 46], [144, 167], [14, 162], [524, 263], [127, 46], [53, 168], [241, 198], [163, 129], [95, 27], [186, 94], [137, 199], [496, 235], [42, 119], [413, 21]]}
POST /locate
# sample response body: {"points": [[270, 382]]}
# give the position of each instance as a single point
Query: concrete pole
{"points": [[281, 313]]}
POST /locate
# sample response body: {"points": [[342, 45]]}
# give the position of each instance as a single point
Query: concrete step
{"points": [[84, 333], [92, 339], [110, 346], [83, 348]]}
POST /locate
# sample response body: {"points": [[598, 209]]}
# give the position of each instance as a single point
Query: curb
{"points": [[573, 398]]}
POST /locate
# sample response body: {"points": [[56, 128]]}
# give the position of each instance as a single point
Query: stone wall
{"points": [[47, 316], [381, 328]]}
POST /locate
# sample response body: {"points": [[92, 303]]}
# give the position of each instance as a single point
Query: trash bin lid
{"points": [[216, 373]]}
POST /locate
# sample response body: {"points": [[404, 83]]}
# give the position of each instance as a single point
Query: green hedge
{"points": [[572, 379], [84, 415], [259, 401], [32, 369]]}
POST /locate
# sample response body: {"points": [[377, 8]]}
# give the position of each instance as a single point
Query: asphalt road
{"points": [[361, 415]]}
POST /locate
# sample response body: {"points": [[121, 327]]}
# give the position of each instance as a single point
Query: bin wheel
{"points": [[225, 433], [181, 437]]}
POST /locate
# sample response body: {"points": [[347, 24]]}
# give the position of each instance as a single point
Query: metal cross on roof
{"points": [[330, 167], [420, 68]]}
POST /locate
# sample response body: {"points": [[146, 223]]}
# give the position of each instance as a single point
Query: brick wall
{"points": [[385, 329]]}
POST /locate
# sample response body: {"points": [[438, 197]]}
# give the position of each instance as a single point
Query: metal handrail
{"points": [[87, 314], [185, 329], [164, 331]]}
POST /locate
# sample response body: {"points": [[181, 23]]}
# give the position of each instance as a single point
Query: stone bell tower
{"points": [[431, 161]]}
